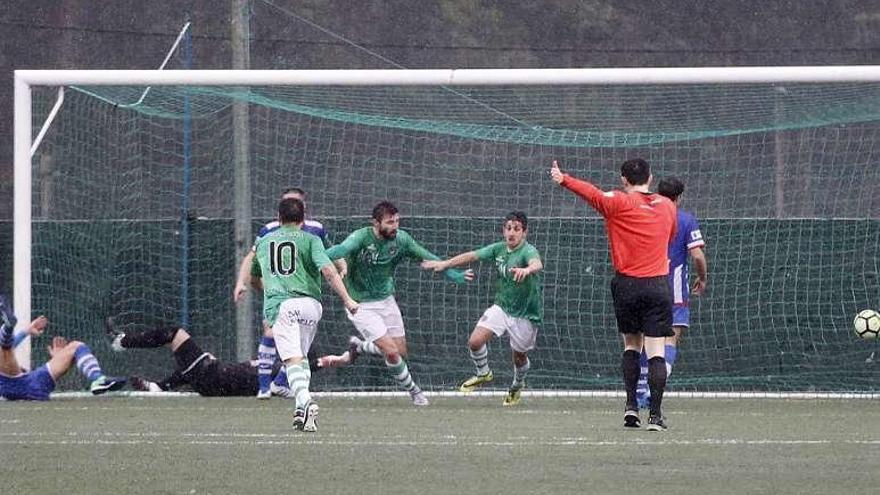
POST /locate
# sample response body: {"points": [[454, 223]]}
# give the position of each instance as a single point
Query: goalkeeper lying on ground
{"points": [[203, 372]]}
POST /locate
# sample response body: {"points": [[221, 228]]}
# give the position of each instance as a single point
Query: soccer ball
{"points": [[867, 324]]}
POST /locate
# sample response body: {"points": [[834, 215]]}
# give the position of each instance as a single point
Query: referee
{"points": [[640, 225]]}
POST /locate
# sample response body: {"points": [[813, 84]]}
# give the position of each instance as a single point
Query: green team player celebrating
{"points": [[286, 268], [373, 253], [517, 309]]}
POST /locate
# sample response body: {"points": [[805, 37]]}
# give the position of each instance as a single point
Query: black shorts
{"points": [[642, 305], [211, 377]]}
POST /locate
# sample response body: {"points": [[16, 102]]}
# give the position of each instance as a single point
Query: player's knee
{"points": [[267, 330], [402, 351], [520, 358]]}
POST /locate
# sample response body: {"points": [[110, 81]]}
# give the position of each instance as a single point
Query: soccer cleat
{"points": [[264, 395], [475, 381], [278, 390], [354, 344], [631, 419], [107, 384], [656, 423], [420, 399], [513, 396], [299, 417], [114, 334], [7, 317], [310, 421]]}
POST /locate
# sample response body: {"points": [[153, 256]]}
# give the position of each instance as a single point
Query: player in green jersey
{"points": [[288, 261], [266, 355], [517, 309], [373, 253]]}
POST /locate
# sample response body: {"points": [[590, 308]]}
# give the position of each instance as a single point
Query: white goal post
{"points": [[26, 80]]}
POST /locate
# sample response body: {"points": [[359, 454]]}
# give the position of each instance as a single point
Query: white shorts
{"points": [[296, 326], [376, 319], [522, 332]]}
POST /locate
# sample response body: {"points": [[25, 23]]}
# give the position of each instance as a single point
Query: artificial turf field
{"points": [[457, 445]]}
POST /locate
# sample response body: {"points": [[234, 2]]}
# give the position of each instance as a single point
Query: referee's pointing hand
{"points": [[555, 173]]}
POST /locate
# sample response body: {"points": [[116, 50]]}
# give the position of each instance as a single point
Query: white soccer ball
{"points": [[867, 324]]}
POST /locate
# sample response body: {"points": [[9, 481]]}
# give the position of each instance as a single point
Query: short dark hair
{"points": [[671, 187], [636, 171], [291, 210], [517, 216], [384, 209], [293, 190]]}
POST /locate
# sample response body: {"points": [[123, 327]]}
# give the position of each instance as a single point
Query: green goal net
{"points": [[133, 217]]}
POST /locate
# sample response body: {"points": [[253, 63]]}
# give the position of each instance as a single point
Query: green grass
{"points": [[457, 445]]}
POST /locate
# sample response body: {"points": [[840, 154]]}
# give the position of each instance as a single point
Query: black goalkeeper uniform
{"points": [[212, 377]]}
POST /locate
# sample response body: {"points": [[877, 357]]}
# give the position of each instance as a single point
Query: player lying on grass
{"points": [[518, 308], [19, 384], [203, 372]]}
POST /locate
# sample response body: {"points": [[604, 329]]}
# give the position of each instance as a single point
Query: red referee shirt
{"points": [[640, 227]]}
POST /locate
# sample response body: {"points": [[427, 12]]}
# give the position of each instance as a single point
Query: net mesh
{"points": [[783, 180]]}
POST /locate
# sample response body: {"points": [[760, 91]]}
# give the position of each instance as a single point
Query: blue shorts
{"points": [[35, 385], [681, 315]]}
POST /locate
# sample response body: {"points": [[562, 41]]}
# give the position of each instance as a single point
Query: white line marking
{"points": [[301, 439], [293, 438], [528, 393]]}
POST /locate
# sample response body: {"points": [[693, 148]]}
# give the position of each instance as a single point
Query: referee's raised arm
{"points": [[640, 225], [605, 202]]}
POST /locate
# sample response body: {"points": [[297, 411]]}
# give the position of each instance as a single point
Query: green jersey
{"points": [[523, 299], [372, 260], [289, 262]]}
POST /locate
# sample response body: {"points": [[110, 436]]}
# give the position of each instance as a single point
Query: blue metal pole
{"points": [[184, 213]]}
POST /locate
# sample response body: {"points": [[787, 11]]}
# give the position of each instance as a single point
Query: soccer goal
{"points": [[133, 205]]}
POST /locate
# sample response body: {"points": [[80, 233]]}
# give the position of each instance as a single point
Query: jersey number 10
{"points": [[282, 258]]}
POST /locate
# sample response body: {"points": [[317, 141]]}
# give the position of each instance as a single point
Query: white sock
{"points": [[519, 374], [404, 379], [298, 377], [480, 358], [369, 348]]}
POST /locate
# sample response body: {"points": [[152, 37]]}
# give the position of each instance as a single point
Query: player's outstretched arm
{"points": [[341, 264], [520, 274], [346, 248], [458, 260], [430, 259], [332, 276], [244, 271], [702, 266]]}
